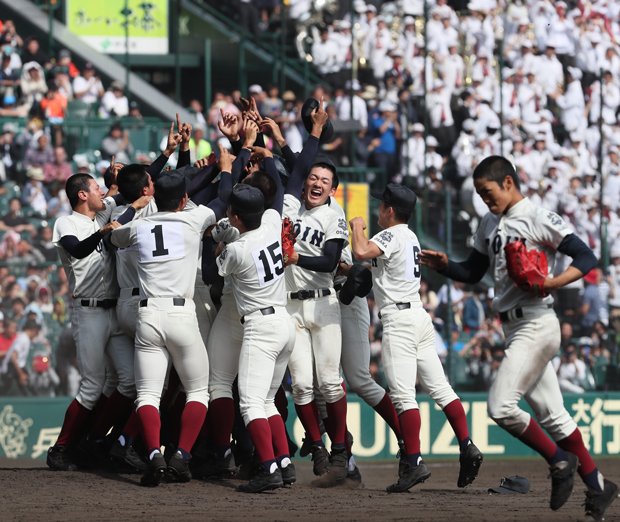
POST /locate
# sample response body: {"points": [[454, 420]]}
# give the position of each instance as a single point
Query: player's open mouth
{"points": [[317, 193]]}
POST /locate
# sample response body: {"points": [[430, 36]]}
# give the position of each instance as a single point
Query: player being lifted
{"points": [[531, 327]]}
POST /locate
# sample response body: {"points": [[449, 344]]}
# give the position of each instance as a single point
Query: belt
{"points": [[400, 306], [270, 310], [302, 295], [99, 303], [129, 292], [176, 301], [517, 313]]}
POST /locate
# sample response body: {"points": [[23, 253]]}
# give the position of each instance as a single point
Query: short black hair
{"points": [[131, 180], [31, 324], [74, 184], [332, 168], [403, 216], [167, 203], [496, 168], [265, 184]]}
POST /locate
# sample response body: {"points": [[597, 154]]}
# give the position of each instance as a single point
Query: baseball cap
{"points": [[9, 127], [255, 89], [397, 196], [172, 185], [89, 66], [514, 484], [247, 200]]}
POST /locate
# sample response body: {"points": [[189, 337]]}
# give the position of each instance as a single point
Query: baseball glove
{"points": [[288, 238], [527, 268]]}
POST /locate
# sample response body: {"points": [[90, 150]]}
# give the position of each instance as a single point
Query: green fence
{"points": [[28, 426]]}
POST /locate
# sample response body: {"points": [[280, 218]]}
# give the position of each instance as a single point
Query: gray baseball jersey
{"points": [[396, 272], [168, 247], [538, 228], [92, 276], [312, 228]]}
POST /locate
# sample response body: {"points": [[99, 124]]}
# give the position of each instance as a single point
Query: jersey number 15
{"points": [[269, 264]]}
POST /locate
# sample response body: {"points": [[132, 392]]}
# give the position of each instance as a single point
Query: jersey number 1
{"points": [[159, 242]]}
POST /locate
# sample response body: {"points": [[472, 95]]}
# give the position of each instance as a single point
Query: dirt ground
{"points": [[32, 492]]}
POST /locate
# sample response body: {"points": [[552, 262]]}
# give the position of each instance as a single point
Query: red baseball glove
{"points": [[527, 268], [288, 238]]}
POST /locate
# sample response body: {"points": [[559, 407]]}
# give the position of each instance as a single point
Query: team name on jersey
{"points": [[496, 242], [308, 234]]}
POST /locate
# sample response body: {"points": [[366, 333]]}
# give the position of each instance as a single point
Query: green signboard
{"points": [[28, 426], [102, 24]]}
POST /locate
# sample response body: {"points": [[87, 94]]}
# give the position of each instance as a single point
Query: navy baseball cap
{"points": [[172, 185], [247, 200], [397, 196], [511, 485]]}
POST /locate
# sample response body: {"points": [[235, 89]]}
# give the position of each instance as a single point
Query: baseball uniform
{"points": [[255, 266], [94, 289], [168, 245]]}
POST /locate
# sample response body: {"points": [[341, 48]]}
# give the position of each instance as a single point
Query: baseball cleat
{"points": [[337, 472], [402, 458], [354, 475], [471, 460], [320, 460], [59, 460], [156, 469], [411, 476], [597, 502], [288, 474], [127, 456], [263, 481], [306, 447], [562, 480], [214, 466], [178, 469]]}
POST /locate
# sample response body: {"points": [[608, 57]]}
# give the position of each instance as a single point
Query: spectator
{"points": [[64, 60], [134, 112], [16, 359], [9, 79], [9, 151], [34, 194], [272, 105], [117, 144], [14, 220], [43, 243], [59, 169], [591, 301], [32, 52], [114, 102], [572, 371], [9, 35], [54, 107], [199, 147], [40, 153], [88, 87], [385, 131], [32, 84]]}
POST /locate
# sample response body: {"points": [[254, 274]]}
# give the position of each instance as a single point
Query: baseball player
{"points": [[321, 233], [255, 265], [408, 333], [531, 328], [168, 244], [89, 266]]}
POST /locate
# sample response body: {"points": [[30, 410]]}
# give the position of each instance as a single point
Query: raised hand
{"points": [[250, 129], [226, 159], [270, 127], [173, 141], [229, 125]]}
